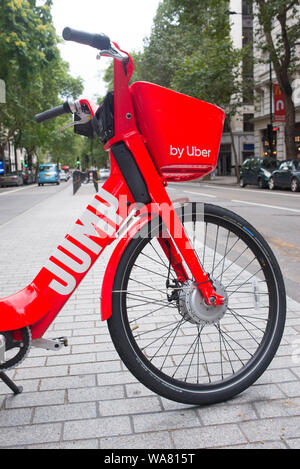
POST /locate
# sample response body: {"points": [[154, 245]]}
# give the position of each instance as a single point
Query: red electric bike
{"points": [[193, 295]]}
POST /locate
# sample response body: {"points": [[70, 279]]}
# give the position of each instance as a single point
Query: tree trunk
{"points": [[29, 154], [290, 126], [236, 163], [281, 59]]}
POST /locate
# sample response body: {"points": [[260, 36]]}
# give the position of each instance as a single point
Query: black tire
{"points": [[242, 183], [271, 184], [295, 187], [156, 371]]}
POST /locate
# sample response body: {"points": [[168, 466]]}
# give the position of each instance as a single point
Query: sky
{"points": [[126, 22]]}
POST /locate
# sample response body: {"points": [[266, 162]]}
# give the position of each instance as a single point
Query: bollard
{"points": [[80, 177], [95, 180], [76, 181]]}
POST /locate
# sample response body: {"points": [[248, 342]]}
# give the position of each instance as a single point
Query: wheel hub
{"points": [[193, 308]]}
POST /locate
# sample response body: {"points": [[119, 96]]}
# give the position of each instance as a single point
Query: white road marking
{"points": [[255, 191], [266, 205], [15, 190], [201, 193]]}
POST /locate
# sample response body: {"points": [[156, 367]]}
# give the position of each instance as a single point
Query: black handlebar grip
{"points": [[98, 41], [54, 112]]}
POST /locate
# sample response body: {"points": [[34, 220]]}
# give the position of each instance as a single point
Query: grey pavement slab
{"points": [[84, 397]]}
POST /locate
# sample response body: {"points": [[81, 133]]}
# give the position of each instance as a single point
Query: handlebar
{"points": [[107, 48], [98, 41], [54, 112]]}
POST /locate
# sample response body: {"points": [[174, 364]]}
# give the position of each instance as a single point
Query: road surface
{"points": [[276, 214]]}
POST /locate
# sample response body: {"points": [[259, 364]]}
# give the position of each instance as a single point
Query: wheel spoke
{"points": [[172, 328]]}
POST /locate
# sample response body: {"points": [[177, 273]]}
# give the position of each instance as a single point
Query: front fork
{"points": [[178, 240], [180, 245]]}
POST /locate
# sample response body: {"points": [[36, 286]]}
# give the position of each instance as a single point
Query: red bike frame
{"points": [[38, 304]]}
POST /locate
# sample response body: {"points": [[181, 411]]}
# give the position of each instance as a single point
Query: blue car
{"points": [[48, 173], [286, 176]]}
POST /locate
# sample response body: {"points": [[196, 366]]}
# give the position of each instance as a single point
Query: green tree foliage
{"points": [[190, 50], [36, 77]]}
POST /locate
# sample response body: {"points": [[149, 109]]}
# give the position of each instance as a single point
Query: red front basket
{"points": [[183, 134]]}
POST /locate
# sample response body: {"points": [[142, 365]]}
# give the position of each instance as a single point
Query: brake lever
{"points": [[86, 118], [114, 53]]}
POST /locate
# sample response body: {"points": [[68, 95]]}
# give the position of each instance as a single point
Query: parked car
{"points": [[257, 171], [11, 179], [286, 176], [104, 173], [48, 173], [64, 176]]}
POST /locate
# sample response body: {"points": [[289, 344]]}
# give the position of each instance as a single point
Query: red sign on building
{"points": [[279, 104]]}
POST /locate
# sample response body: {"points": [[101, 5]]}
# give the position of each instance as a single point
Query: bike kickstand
{"points": [[15, 389]]}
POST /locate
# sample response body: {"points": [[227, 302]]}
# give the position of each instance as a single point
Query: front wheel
{"points": [[271, 184], [170, 339], [242, 183], [295, 186]]}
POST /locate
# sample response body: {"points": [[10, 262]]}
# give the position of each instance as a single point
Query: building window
{"points": [[262, 102], [248, 122], [247, 8], [226, 127], [248, 91], [247, 36]]}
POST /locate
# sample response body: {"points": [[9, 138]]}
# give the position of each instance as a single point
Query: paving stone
{"points": [[259, 445], [208, 437], [78, 444], [281, 408], [158, 440], [271, 429], [291, 389], [165, 421], [65, 382], [293, 443], [11, 418], [95, 428], [130, 406], [64, 412], [41, 372], [226, 413], [100, 393], [83, 396], [35, 399], [26, 435]]}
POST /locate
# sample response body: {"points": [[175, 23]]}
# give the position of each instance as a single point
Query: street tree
{"points": [[282, 45], [35, 76], [190, 50]]}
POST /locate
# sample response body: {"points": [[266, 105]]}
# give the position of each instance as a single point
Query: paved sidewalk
{"points": [[83, 397], [218, 180]]}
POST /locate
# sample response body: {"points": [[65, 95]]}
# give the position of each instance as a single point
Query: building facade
{"points": [[11, 158], [269, 113], [14, 159], [242, 127]]}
